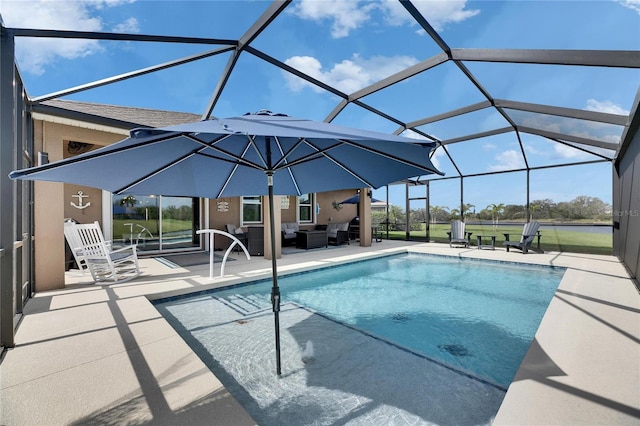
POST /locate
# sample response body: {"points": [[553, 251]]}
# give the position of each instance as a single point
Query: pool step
{"points": [[246, 305]]}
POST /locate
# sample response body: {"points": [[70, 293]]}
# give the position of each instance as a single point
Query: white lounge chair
{"points": [[458, 235], [75, 244], [114, 266], [529, 232]]}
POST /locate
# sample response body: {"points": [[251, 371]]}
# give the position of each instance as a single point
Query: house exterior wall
{"points": [[228, 213], [329, 213], [231, 213], [52, 200]]}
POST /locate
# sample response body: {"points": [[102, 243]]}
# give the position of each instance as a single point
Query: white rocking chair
{"points": [[113, 266], [75, 244]]}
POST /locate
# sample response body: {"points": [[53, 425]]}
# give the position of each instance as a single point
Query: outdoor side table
{"points": [[491, 246], [311, 239]]}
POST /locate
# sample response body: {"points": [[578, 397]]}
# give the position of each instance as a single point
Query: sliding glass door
{"points": [[155, 222]]}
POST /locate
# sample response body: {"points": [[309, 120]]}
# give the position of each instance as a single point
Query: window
{"points": [[155, 222], [305, 208], [252, 209]]}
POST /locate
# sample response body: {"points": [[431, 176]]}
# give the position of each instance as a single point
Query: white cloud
{"points": [[566, 151], [631, 4], [347, 76], [35, 54], [581, 128], [530, 149], [507, 160], [130, 26], [348, 15], [438, 153], [438, 13], [489, 146], [605, 106]]}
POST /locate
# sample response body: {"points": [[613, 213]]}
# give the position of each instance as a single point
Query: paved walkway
{"points": [[104, 355]]}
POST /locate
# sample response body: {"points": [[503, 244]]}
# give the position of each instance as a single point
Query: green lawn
{"points": [[552, 240]]}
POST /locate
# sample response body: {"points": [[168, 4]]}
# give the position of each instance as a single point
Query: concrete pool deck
{"points": [[103, 354]]}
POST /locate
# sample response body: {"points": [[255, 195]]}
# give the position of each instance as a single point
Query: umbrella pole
{"points": [[275, 291]]}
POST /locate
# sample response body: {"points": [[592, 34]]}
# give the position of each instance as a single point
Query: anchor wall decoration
{"points": [[80, 195]]}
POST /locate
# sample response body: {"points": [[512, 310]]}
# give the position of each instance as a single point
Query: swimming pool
{"points": [[457, 320]]}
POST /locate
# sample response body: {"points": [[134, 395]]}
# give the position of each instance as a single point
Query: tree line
{"points": [[580, 208]]}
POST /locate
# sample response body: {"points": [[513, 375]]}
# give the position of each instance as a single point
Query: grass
{"points": [[551, 240], [168, 226]]}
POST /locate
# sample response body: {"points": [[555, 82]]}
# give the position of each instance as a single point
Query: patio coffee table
{"points": [[311, 239], [491, 246]]}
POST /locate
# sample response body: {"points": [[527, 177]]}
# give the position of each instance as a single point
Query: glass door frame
{"points": [[202, 217]]}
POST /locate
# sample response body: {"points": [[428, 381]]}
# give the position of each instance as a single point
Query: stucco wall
{"points": [[626, 208], [52, 200], [328, 213], [233, 215]]}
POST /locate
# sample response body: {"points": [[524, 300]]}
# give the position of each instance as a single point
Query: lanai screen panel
{"points": [[488, 155], [561, 186], [435, 91], [544, 152], [485, 192], [391, 66]]}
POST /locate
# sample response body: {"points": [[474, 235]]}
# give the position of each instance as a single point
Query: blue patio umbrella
{"points": [[356, 200], [250, 155]]}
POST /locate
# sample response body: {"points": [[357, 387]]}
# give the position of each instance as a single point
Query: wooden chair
{"points": [[529, 232], [105, 264], [458, 235]]}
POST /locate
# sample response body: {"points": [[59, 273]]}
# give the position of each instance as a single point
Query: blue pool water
{"points": [[475, 318]]}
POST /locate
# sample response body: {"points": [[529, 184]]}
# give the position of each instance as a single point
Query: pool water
{"points": [[475, 316], [470, 317]]}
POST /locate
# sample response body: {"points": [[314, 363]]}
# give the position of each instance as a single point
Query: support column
{"points": [[7, 145], [407, 216], [365, 217], [49, 221]]}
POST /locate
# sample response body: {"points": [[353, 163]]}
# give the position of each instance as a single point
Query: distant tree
{"points": [[582, 207], [542, 209], [468, 210], [128, 201], [496, 211], [514, 211], [438, 213], [418, 215], [396, 218], [378, 217], [589, 207], [484, 214]]}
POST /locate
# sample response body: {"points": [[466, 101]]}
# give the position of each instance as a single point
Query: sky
{"points": [[351, 45]]}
